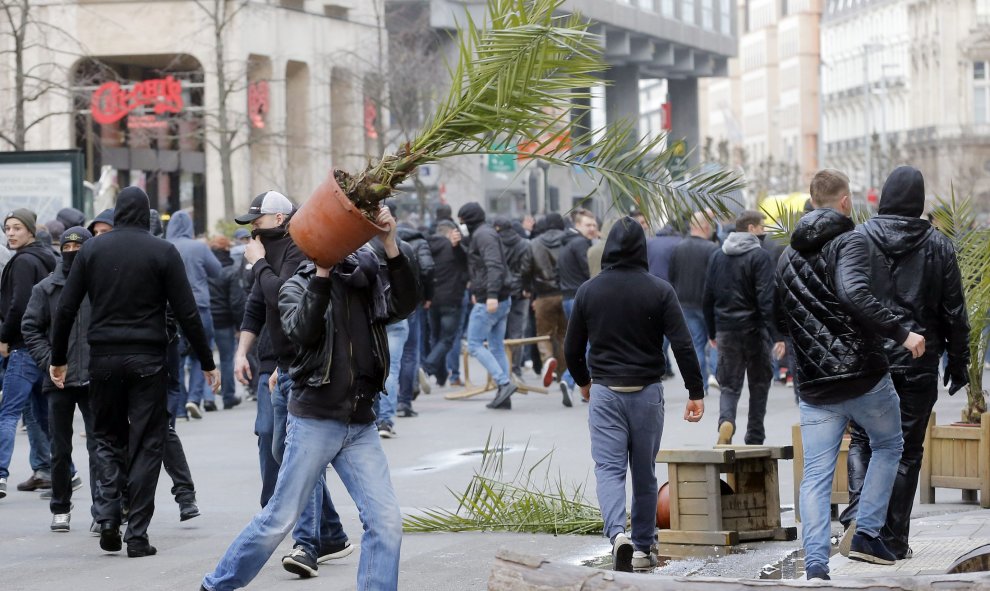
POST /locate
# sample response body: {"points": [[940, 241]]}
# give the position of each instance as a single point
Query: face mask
{"points": [[268, 233], [67, 258], [762, 237], [464, 229]]}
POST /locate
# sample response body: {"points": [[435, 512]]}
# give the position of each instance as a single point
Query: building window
{"points": [[983, 11], [725, 17], [687, 11], [981, 96], [708, 15], [667, 8]]}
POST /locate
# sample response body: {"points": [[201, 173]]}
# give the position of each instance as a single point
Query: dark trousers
{"points": [[410, 358], [744, 355], [515, 328], [444, 322], [918, 393], [175, 463], [130, 426], [61, 410]]}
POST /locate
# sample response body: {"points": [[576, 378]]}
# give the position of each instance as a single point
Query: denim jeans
{"points": [[310, 533], [822, 428], [484, 326], [198, 391], [444, 326], [707, 355], [356, 454], [398, 334], [568, 305], [625, 435], [21, 383], [36, 421], [410, 357], [226, 345], [454, 355], [264, 428]]}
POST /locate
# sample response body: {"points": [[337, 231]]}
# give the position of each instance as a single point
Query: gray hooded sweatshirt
{"points": [[199, 260]]}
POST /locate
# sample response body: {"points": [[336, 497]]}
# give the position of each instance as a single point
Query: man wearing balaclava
{"points": [[129, 277], [62, 403], [273, 258], [914, 271]]}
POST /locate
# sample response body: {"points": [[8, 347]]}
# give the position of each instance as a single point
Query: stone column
{"points": [[684, 115]]}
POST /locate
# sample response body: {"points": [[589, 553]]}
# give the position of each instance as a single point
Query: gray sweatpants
{"points": [[625, 434]]}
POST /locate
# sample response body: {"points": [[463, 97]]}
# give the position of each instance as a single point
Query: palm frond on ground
{"points": [[532, 500], [523, 76], [956, 218]]}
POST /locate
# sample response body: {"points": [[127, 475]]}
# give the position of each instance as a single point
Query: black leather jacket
{"points": [[824, 302], [914, 270], [739, 287]]}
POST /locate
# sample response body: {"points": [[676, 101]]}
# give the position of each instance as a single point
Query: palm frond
{"points": [[521, 77], [522, 503]]}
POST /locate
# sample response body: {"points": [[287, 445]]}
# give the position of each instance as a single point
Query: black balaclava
{"points": [[74, 234]]}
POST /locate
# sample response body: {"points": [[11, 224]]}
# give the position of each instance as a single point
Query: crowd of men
{"points": [[119, 319]]}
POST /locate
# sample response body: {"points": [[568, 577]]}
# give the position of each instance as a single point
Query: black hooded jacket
{"points": [[914, 269], [625, 313], [518, 257], [29, 265], [825, 303], [424, 257], [450, 275], [572, 264], [226, 294], [546, 249], [486, 259], [739, 287], [130, 277]]}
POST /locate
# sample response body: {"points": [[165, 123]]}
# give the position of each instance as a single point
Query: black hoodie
{"points": [[486, 259], [129, 276], [825, 303], [29, 265], [625, 313], [916, 275]]}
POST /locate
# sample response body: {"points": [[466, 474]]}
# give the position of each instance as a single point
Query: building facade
{"points": [[155, 91], [764, 116], [907, 82]]}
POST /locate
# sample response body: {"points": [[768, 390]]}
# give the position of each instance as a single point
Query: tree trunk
{"points": [[220, 21], [20, 126], [517, 572]]}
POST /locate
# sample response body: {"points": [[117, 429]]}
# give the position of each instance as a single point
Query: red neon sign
{"points": [[111, 102]]}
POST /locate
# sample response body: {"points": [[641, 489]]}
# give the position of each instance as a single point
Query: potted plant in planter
{"points": [[514, 80]]}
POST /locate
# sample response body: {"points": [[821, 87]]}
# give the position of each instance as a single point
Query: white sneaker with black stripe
{"points": [[60, 522]]}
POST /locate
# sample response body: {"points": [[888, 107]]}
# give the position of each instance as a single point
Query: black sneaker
{"points": [[817, 572], [502, 397], [188, 510], [229, 405], [209, 406], [406, 411], [622, 553], [565, 393], [140, 550], [299, 563], [110, 537], [872, 550], [386, 431], [335, 551]]}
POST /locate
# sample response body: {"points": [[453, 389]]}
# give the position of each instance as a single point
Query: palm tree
{"points": [[518, 78]]}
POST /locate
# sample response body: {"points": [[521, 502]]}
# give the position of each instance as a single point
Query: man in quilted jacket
{"points": [[837, 325]]}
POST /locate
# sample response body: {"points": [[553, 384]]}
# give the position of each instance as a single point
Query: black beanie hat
{"points": [[74, 234]]}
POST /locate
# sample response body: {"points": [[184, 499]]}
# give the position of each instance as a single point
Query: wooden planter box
{"points": [[840, 482], [957, 456]]}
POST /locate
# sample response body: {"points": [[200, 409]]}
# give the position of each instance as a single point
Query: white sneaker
{"points": [[192, 411], [622, 553], [3, 487], [713, 383], [643, 560], [60, 522]]}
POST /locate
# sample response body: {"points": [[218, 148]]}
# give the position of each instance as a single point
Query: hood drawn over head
{"points": [[105, 216], [70, 216], [133, 209], [180, 226], [817, 228], [897, 235], [903, 193], [625, 246], [472, 214]]}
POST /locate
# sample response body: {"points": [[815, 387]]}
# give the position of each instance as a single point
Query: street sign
{"points": [[501, 163]]}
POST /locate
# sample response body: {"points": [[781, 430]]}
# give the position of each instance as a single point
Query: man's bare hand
{"points": [[57, 374], [779, 350], [915, 343], [273, 382], [713, 343], [255, 251], [586, 391], [4, 350], [242, 369], [491, 304], [694, 410], [213, 379]]}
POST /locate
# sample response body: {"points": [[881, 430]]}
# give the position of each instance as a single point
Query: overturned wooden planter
{"points": [[957, 456]]}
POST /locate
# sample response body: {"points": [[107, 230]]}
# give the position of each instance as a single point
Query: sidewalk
{"points": [[937, 541]]}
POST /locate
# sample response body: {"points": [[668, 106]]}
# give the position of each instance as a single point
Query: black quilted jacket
{"points": [[824, 302]]}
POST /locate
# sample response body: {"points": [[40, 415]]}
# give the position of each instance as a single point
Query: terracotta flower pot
{"points": [[328, 227], [663, 506]]}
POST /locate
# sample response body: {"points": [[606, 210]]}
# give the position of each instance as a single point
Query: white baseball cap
{"points": [[265, 203]]}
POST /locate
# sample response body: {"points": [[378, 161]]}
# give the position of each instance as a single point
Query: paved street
{"points": [[432, 452]]}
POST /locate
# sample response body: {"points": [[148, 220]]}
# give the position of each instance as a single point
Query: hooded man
{"points": [[272, 258], [227, 309], [548, 307], [70, 217], [102, 223], [128, 339], [412, 379], [201, 266], [826, 304], [915, 273], [738, 307], [625, 313], [449, 283], [32, 262], [490, 294], [62, 403]]}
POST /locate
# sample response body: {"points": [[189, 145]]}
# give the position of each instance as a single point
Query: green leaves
{"points": [[521, 503], [524, 77]]}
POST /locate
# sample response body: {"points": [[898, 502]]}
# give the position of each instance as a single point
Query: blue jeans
{"points": [[568, 306], [398, 334], [625, 435], [483, 326], [264, 428], [21, 384], [356, 454], [454, 355], [822, 427], [445, 323], [310, 533], [707, 355], [198, 391], [410, 356], [39, 434], [226, 345]]}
